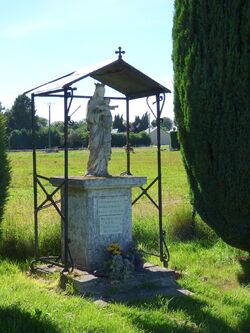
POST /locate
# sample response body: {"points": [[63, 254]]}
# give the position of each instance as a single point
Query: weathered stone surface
{"points": [[151, 281], [100, 213]]}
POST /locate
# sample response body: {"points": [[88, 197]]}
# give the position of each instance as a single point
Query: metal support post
{"points": [[128, 141], [49, 127], [34, 174], [66, 179], [158, 120]]}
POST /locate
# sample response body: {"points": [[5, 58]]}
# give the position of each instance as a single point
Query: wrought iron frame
{"points": [[67, 93]]}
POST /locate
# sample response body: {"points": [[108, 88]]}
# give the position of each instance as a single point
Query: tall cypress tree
{"points": [[4, 167], [211, 56]]}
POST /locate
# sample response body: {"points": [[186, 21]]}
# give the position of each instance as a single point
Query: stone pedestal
{"points": [[100, 213]]}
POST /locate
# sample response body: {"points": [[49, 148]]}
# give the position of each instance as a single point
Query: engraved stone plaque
{"points": [[110, 213]]}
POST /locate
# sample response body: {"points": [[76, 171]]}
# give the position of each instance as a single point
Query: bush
{"points": [[20, 139], [4, 167], [42, 138], [140, 139], [77, 138], [136, 139], [118, 140]]}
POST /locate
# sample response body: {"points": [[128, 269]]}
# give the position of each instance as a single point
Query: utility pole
{"points": [[49, 143]]}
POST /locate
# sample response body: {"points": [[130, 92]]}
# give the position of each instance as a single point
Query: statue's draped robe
{"points": [[99, 120]]}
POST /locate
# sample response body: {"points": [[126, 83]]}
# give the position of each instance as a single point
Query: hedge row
{"points": [[22, 139]]}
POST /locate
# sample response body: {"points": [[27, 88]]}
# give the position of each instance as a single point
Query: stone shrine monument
{"points": [[99, 205]]}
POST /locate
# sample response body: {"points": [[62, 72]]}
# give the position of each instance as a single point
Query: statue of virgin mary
{"points": [[99, 122]]}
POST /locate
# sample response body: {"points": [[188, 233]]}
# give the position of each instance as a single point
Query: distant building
{"points": [[164, 136]]}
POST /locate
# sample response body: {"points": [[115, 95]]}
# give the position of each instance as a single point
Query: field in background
{"points": [[18, 222], [209, 268]]}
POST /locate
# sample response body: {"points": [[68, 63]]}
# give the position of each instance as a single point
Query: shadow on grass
{"points": [[244, 275], [20, 249], [16, 250], [245, 324], [13, 320], [197, 317]]}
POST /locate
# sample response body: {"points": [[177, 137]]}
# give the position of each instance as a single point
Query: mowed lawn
{"points": [[210, 268]]}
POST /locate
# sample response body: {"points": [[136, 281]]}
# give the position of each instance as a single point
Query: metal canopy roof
{"points": [[117, 74]]}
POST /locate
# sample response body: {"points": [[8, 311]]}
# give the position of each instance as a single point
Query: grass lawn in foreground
{"points": [[221, 300]]}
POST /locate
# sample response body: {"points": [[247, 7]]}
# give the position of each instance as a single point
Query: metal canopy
{"points": [[117, 74]]}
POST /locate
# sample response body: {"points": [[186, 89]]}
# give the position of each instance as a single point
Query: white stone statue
{"points": [[99, 121]]}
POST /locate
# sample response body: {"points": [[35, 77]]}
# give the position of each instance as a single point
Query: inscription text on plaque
{"points": [[110, 213]]}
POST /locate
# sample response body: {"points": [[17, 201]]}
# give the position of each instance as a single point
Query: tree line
{"points": [[19, 135]]}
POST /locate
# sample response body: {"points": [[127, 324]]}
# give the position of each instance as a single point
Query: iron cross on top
{"points": [[120, 52]]}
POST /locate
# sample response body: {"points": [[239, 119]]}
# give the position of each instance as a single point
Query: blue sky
{"points": [[43, 40]]}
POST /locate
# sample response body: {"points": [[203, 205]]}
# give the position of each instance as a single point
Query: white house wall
{"points": [[165, 137]]}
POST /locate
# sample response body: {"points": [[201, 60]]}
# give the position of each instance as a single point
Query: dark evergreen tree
{"points": [[119, 123], [144, 122], [136, 124], [140, 124], [19, 116], [4, 167], [211, 55]]}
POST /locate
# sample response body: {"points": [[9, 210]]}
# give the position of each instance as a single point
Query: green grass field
{"points": [[210, 268]]}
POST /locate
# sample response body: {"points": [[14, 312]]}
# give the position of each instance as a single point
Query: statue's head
{"points": [[99, 90]]}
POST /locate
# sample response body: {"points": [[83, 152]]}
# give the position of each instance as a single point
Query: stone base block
{"points": [[100, 213], [151, 281]]}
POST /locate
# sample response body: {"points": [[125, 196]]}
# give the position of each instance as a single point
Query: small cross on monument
{"points": [[120, 52]]}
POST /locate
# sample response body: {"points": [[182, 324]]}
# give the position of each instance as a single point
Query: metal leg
{"points": [[65, 179], [36, 251], [128, 141]]}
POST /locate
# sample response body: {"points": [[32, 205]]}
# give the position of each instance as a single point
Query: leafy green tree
{"points": [[166, 123], [59, 125], [41, 122], [4, 167], [82, 126], [211, 83], [1, 107]]}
